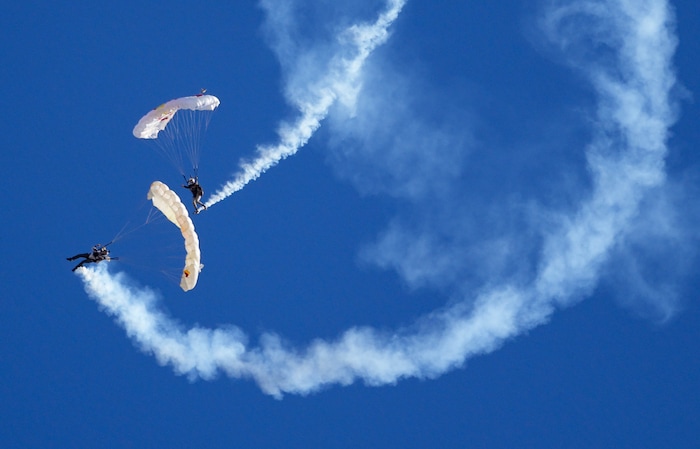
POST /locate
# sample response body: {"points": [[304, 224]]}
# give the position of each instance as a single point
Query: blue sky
{"points": [[464, 226]]}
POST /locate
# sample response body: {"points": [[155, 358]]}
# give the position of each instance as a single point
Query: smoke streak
{"points": [[626, 159], [340, 81]]}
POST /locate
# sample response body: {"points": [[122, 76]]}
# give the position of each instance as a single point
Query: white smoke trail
{"points": [[626, 159], [340, 81]]}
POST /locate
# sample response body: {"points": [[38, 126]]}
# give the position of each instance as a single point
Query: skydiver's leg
{"points": [[197, 200], [85, 255], [82, 262]]}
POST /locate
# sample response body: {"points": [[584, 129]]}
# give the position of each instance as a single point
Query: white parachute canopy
{"points": [[170, 205], [177, 128]]}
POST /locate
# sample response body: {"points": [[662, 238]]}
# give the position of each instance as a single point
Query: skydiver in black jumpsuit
{"points": [[197, 193], [97, 254]]}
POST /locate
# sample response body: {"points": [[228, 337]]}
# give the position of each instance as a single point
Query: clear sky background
{"points": [[489, 241]]}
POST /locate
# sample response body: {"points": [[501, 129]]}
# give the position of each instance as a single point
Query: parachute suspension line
{"points": [[190, 137], [126, 230], [154, 216], [169, 143], [122, 232], [183, 138], [129, 228], [193, 125], [189, 142]]}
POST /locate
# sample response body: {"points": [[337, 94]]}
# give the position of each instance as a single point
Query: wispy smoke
{"points": [[341, 80], [633, 81]]}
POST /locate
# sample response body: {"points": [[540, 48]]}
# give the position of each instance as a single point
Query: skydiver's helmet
{"points": [[191, 182]]}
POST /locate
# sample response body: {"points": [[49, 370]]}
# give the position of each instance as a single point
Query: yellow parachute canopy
{"points": [[167, 201]]}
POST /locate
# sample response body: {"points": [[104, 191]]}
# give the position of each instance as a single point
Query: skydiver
{"points": [[98, 253], [197, 193]]}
